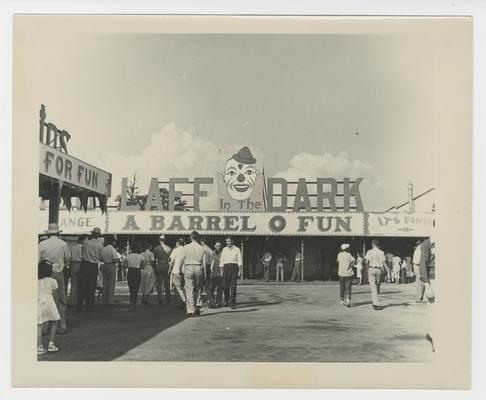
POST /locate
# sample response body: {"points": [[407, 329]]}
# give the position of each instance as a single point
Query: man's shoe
{"points": [[189, 314], [377, 308], [233, 307], [197, 312]]}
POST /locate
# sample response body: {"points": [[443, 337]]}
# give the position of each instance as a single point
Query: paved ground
{"points": [[277, 323]]}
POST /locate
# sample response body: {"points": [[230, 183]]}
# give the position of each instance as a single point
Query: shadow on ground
{"points": [[113, 330]]}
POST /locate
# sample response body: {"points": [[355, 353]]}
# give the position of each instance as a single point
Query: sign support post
{"points": [[302, 260], [242, 255], [54, 200]]}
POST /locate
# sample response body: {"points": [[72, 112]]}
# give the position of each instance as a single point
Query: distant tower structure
{"points": [[411, 202]]}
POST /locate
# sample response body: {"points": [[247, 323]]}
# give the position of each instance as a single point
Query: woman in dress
{"points": [[148, 275]]}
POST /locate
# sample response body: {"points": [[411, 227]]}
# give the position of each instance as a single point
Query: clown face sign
{"points": [[240, 186], [240, 174]]}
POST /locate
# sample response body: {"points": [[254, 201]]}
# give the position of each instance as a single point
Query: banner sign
{"points": [[56, 164], [400, 224], [240, 179], [226, 223], [74, 222]]}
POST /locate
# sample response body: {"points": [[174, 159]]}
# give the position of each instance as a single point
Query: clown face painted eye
{"points": [[249, 172]]}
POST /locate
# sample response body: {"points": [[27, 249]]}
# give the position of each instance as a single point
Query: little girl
{"points": [[47, 311]]}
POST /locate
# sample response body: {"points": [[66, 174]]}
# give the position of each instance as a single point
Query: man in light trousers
{"points": [[194, 259], [419, 298], [376, 262], [177, 270]]}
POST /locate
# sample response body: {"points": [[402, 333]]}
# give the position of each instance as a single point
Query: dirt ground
{"points": [[274, 323]]}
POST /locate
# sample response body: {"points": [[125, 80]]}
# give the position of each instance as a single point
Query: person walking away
{"points": [[266, 260], [119, 265], [193, 259], [232, 269], [57, 252], [417, 254], [376, 263], [359, 268], [109, 257], [409, 274], [147, 274], [216, 276], [427, 275], [134, 263], [388, 266], [162, 254], [47, 312], [396, 268], [76, 258], [297, 266], [176, 269], [207, 272], [280, 267], [88, 270], [345, 271]]}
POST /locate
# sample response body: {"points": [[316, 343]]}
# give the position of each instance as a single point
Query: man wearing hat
{"points": [[88, 270], [162, 258], [345, 271], [56, 251]]}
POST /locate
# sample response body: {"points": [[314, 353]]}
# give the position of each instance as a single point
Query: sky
{"points": [[315, 105]]}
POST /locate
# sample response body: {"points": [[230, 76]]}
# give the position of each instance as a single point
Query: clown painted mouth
{"points": [[241, 187]]}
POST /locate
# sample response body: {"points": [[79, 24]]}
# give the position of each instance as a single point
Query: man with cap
{"points": [[88, 270], [162, 277], [56, 250], [345, 271]]}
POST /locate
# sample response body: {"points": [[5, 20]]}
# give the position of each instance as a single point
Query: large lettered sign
{"points": [[227, 223]]}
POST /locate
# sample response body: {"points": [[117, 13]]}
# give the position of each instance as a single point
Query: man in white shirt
{"points": [[232, 268], [376, 262], [176, 271], [416, 270]]}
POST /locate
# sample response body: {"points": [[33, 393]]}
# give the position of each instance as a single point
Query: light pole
{"points": [[411, 204]]}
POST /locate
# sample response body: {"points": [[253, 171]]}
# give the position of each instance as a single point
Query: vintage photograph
{"points": [[233, 197]]}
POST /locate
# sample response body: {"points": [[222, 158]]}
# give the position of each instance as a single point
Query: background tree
{"points": [[134, 198]]}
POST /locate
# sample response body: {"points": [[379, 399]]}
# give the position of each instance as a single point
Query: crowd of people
{"points": [[187, 271], [377, 267]]}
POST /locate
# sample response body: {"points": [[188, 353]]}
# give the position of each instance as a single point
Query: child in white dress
{"points": [[47, 312]]}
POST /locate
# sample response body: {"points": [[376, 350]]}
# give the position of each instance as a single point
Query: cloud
{"points": [[171, 152], [341, 165]]}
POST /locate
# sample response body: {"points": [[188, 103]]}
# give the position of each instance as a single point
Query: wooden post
{"points": [[302, 260], [128, 245], [54, 200], [242, 255]]}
